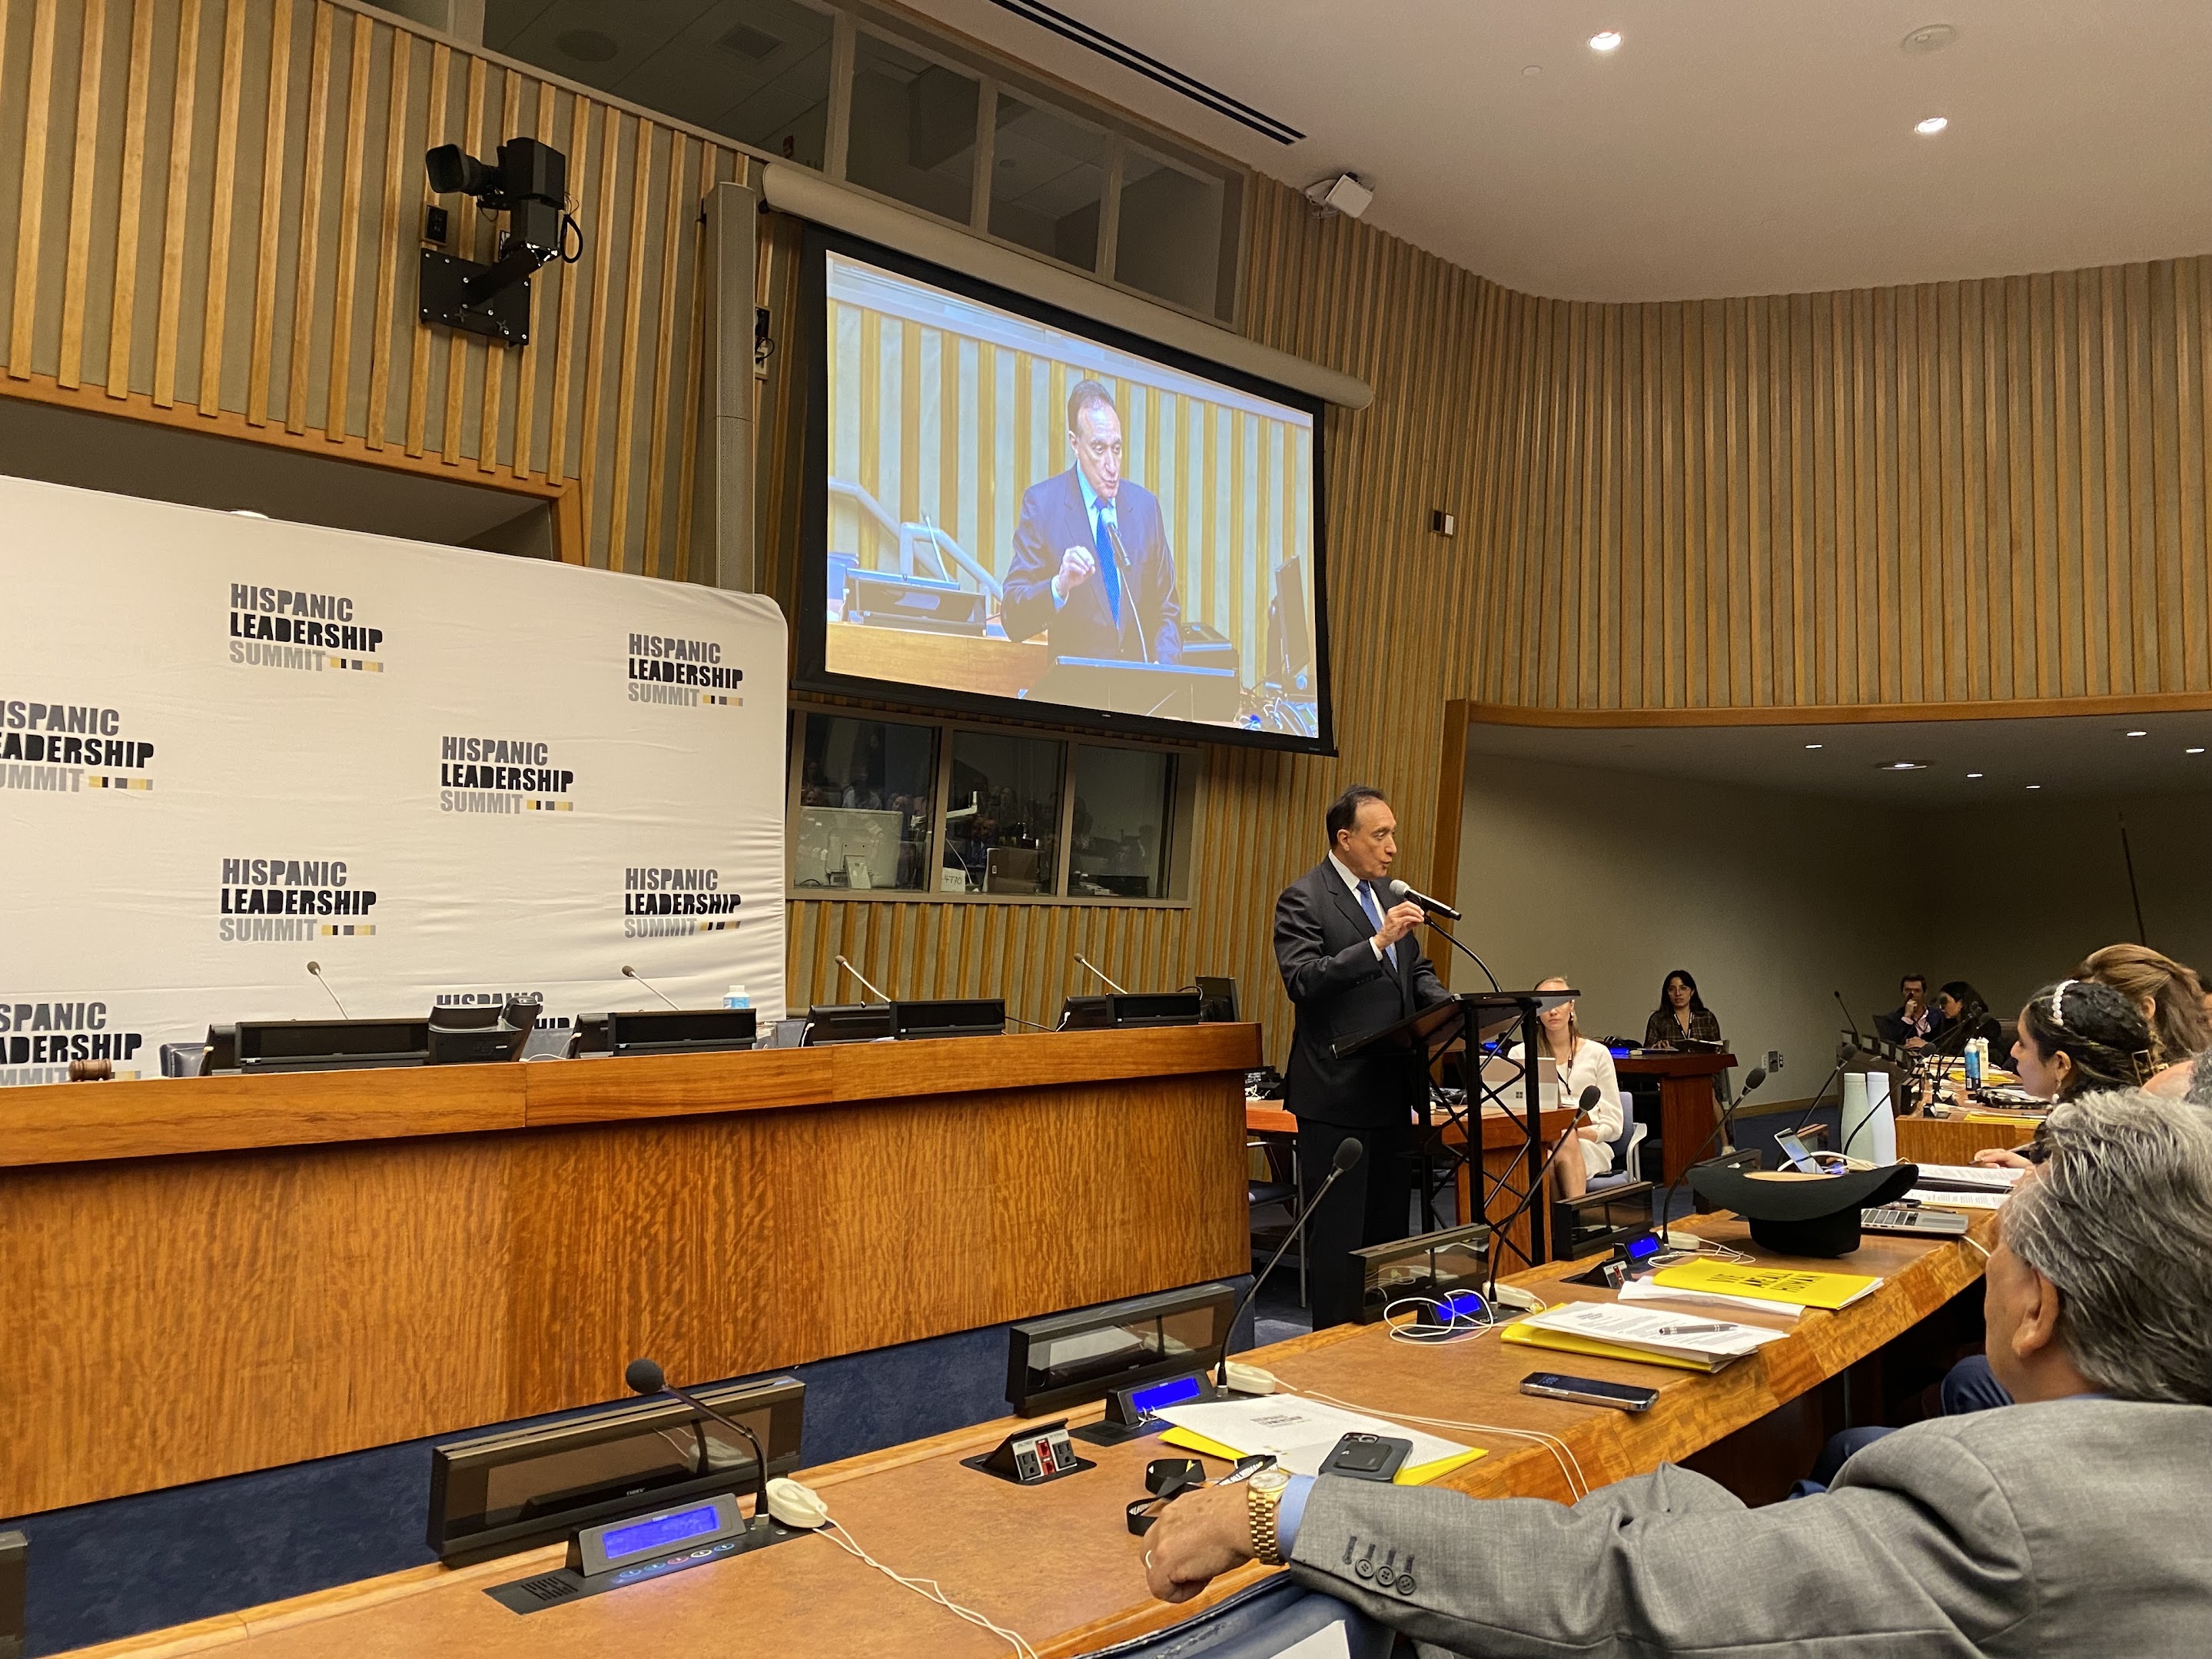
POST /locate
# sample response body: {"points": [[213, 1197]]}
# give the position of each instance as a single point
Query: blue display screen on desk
{"points": [[1176, 1391], [662, 1532]]}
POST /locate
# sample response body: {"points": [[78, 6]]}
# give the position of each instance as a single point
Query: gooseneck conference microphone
{"points": [[1348, 1153], [1436, 908], [316, 969], [864, 985], [1082, 961], [629, 972], [1584, 1105], [1752, 1080], [645, 1376]]}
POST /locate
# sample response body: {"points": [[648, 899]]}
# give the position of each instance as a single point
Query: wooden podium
{"points": [[1686, 1102]]}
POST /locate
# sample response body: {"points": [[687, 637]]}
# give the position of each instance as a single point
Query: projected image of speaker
{"points": [[1085, 569], [481, 1035]]}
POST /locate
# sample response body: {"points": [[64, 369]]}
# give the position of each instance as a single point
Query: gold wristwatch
{"points": [[1263, 1498]]}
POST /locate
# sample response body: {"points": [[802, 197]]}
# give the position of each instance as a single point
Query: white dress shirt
{"points": [[1352, 882], [1592, 1063]]}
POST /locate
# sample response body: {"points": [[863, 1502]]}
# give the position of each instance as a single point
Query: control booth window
{"points": [[1119, 834], [867, 805], [1002, 814], [891, 808]]}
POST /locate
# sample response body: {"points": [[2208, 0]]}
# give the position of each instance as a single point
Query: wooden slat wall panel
{"points": [[257, 276], [1958, 492]]}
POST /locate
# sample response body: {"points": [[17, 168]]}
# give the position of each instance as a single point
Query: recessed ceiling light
{"points": [[2035, 785], [2138, 734], [2193, 751], [1812, 745], [1605, 40], [1530, 71], [1929, 37], [1902, 766], [1973, 775], [1932, 125]]}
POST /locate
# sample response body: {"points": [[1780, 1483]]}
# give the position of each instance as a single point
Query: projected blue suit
{"points": [[1104, 539]]}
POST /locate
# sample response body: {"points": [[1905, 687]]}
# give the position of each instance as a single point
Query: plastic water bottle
{"points": [[735, 997]]}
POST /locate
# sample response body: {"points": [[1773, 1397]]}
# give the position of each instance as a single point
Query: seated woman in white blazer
{"points": [[1581, 1063]]}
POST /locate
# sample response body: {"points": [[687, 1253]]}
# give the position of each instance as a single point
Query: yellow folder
{"points": [[1795, 1287]]}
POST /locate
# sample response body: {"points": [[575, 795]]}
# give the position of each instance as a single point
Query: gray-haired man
{"points": [[2070, 1522]]}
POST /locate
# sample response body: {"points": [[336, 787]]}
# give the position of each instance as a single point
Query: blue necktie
{"points": [[1374, 915], [1107, 568]]}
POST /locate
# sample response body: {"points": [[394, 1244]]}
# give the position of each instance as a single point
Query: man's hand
{"points": [[1399, 920], [1201, 1535], [2002, 1159], [1915, 1042], [1077, 565]]}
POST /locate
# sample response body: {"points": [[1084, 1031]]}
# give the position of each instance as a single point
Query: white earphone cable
{"points": [[928, 1588]]}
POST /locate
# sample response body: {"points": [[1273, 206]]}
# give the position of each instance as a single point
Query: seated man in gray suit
{"points": [[2070, 1522]]}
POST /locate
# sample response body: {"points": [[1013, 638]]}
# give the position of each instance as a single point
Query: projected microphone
{"points": [[864, 985], [644, 1377], [316, 969], [1129, 586], [1348, 1151], [1082, 961], [629, 972], [1752, 1080], [1434, 906]]}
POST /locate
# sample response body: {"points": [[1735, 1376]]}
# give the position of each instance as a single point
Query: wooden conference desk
{"points": [[1686, 1102], [991, 668], [1956, 1138], [1504, 1137], [253, 1271], [1055, 1562]]}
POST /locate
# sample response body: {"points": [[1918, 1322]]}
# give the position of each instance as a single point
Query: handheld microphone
{"points": [[1434, 906], [1348, 1153], [864, 985], [1584, 1105], [1753, 1079], [629, 972], [644, 1377], [316, 969], [1082, 961]]}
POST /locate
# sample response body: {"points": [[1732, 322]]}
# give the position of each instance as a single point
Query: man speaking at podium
{"points": [[1092, 561], [1352, 966]]}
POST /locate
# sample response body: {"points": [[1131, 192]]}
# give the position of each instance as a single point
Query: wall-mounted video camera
{"points": [[530, 185]]}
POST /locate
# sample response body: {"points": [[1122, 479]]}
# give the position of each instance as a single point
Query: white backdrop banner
{"points": [[230, 746]]}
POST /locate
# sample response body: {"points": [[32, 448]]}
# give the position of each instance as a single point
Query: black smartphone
{"points": [[1588, 1391], [1367, 1456]]}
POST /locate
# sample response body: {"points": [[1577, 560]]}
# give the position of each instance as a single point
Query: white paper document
{"points": [[1642, 1289], [1301, 1433], [1934, 1200], [1653, 1329], [1975, 1178]]}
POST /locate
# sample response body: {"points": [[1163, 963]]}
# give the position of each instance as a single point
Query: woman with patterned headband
{"points": [[2075, 1037]]}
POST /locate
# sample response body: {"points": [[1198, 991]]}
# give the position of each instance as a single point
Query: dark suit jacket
{"points": [[1053, 520], [1341, 991]]}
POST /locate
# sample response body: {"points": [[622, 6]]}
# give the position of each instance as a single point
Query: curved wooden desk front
{"points": [[257, 1271], [1055, 1562]]}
